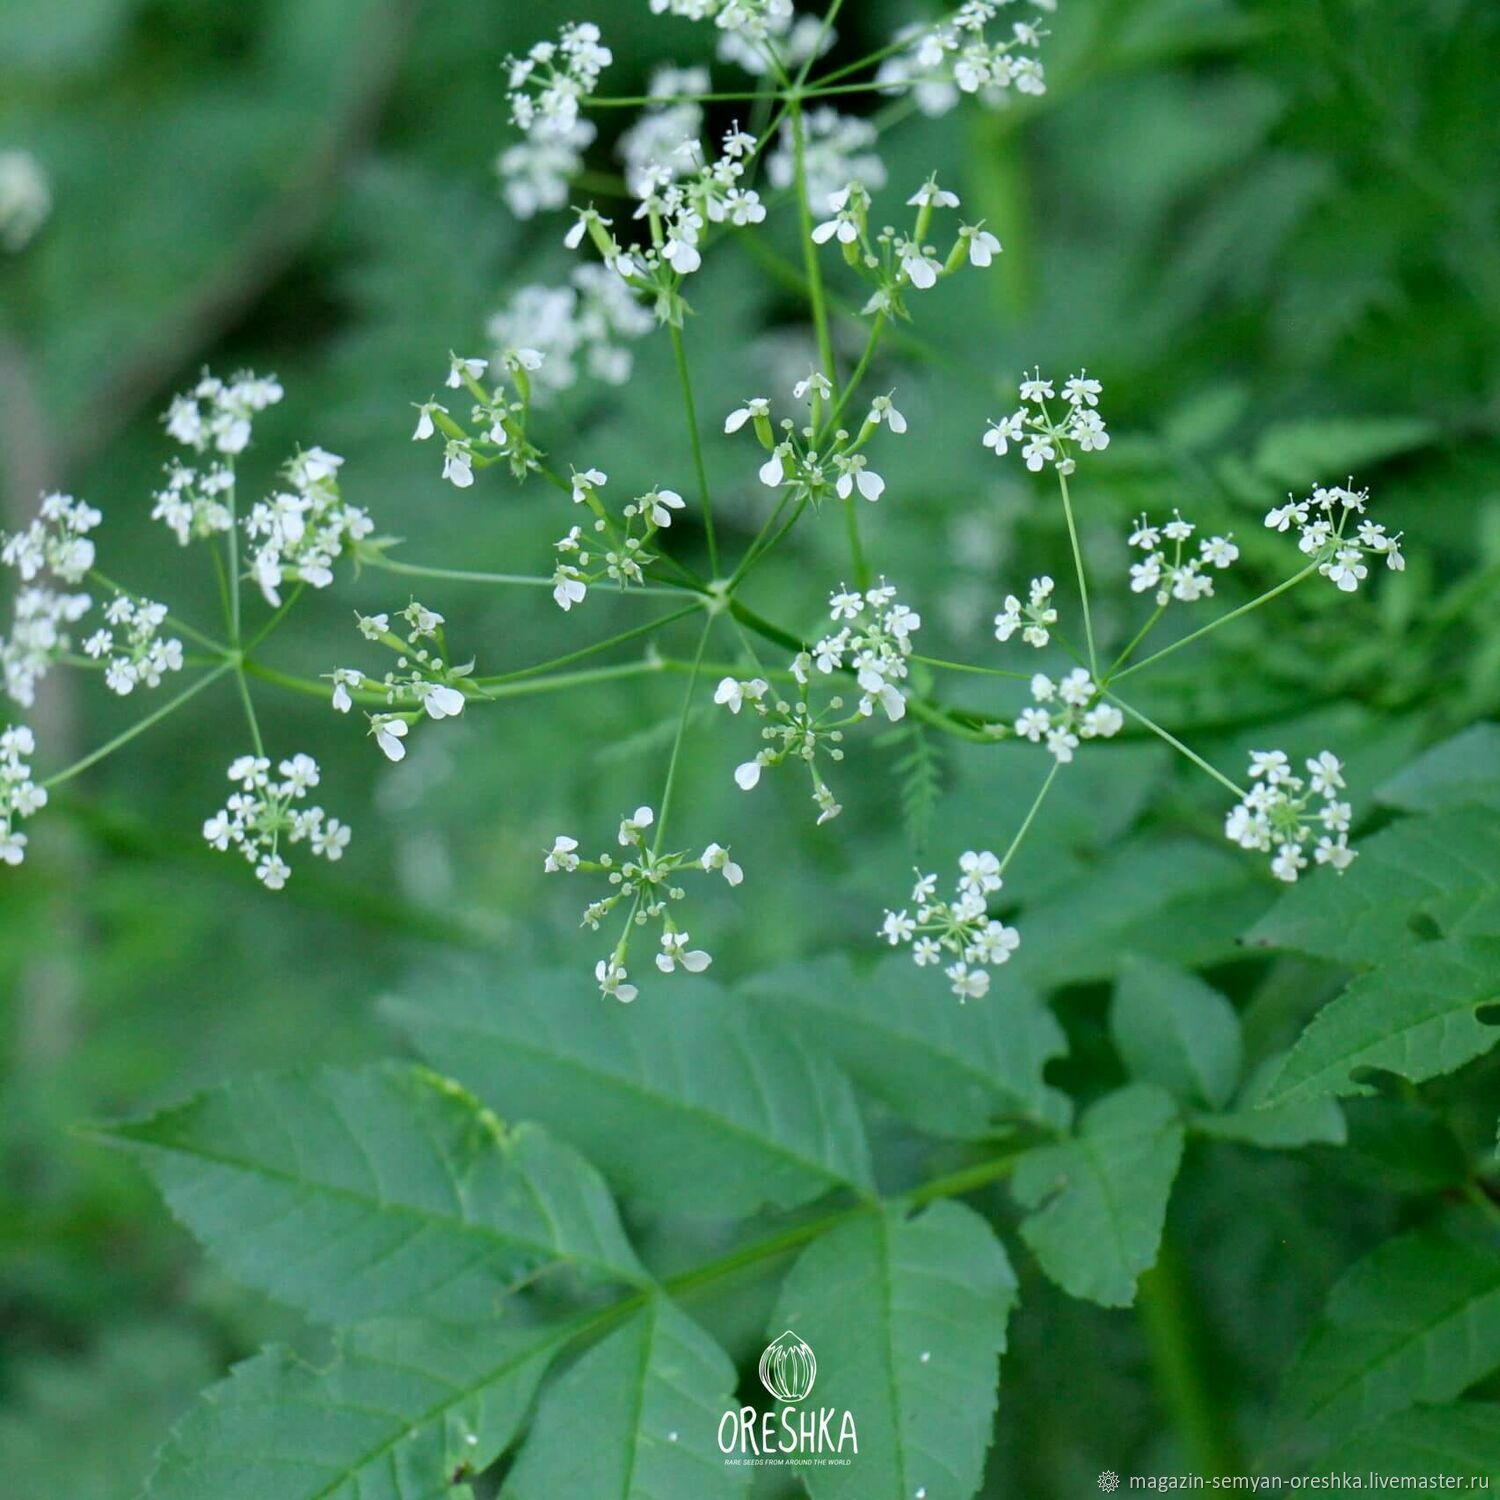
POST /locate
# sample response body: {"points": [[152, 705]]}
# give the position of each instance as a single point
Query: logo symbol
{"points": [[1109, 1481], [787, 1368]]}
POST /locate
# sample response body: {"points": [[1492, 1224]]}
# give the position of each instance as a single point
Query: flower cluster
{"points": [[1066, 712], [20, 796], [873, 642], [546, 90], [838, 149], [1185, 578], [756, 19], [1043, 440], [217, 415], [797, 460], [788, 38], [663, 142], [1323, 521], [895, 261], [193, 504], [131, 640], [497, 417], [264, 812], [621, 557], [25, 199], [959, 57], [424, 680], [586, 324], [961, 928], [1034, 619], [643, 881], [58, 543], [1276, 815], [791, 730], [301, 531]]}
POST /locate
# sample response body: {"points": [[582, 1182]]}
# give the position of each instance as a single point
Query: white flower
{"points": [[716, 857], [612, 981], [461, 370], [920, 267], [758, 407], [660, 504], [980, 873], [854, 473], [882, 410], [562, 855], [1080, 390], [747, 775], [568, 587], [440, 700], [390, 733], [264, 815], [1325, 774], [983, 246], [674, 951], [735, 694], [1006, 431], [968, 984], [632, 827], [1220, 551], [425, 425], [897, 928]]}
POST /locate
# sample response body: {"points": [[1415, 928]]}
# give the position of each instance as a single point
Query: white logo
{"points": [[786, 1434], [788, 1367]]}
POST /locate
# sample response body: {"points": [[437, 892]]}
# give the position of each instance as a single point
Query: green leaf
{"points": [[392, 1416], [1100, 1197], [1416, 1016], [1441, 871], [1183, 901], [634, 1419], [1462, 1440], [357, 1193], [1416, 1321], [1276, 1127], [906, 1318], [1173, 1029], [1462, 771], [1304, 453], [949, 1069], [690, 1102]]}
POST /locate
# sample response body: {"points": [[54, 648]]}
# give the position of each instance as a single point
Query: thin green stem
{"points": [[679, 351], [877, 329], [682, 723], [1135, 641], [1175, 743], [816, 50], [1083, 583], [249, 706], [271, 625], [139, 727], [206, 641], [817, 297], [523, 580], [1030, 818], [961, 666], [1213, 625], [312, 688], [649, 628], [856, 547]]}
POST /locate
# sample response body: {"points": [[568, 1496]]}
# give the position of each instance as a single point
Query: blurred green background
{"points": [[1272, 228]]}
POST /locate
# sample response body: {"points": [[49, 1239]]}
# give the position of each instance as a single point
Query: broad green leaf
{"points": [[1099, 1198], [1441, 871], [381, 1190], [1462, 771], [951, 1070], [1181, 901], [692, 1101], [1173, 1029], [1462, 1440], [391, 1418], [1277, 1127], [1418, 1321], [635, 1419], [1417, 1016], [906, 1318]]}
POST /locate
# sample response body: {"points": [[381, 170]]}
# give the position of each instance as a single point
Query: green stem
{"points": [[140, 727], [1212, 625], [311, 688], [524, 580], [1135, 641], [1030, 818], [649, 628], [877, 329], [1083, 583], [682, 723], [961, 666], [856, 547], [1170, 1326], [679, 350], [1175, 743], [206, 641], [817, 297]]}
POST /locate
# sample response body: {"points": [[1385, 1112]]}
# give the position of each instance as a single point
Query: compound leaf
{"points": [[1173, 1029]]}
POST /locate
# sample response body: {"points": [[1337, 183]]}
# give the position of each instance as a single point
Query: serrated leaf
{"points": [[355, 1193], [1276, 1127], [390, 1417], [1461, 771], [687, 1101], [1462, 1440], [1416, 1321], [1416, 1016], [652, 1394], [907, 1319], [1100, 1198], [952, 1070], [1442, 870], [1175, 1030]]}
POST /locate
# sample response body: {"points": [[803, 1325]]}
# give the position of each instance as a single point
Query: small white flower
{"points": [[562, 855], [460, 370], [390, 735], [716, 857]]}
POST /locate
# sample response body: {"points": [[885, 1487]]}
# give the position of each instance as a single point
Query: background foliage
{"points": [[1271, 228]]}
